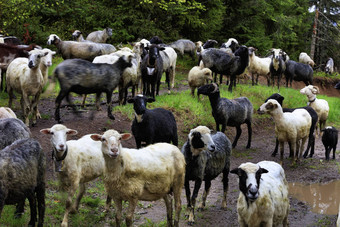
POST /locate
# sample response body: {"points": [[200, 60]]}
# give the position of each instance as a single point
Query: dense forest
{"points": [[294, 26]]}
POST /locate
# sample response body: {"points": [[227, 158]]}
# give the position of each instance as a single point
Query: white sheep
{"points": [[258, 66], [319, 105], [304, 58], [197, 77], [289, 127], [25, 77], [169, 57], [84, 50], [78, 36], [82, 162], [100, 36], [263, 198], [150, 173], [46, 63], [6, 112]]}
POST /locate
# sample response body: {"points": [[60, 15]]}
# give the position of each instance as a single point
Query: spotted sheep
{"points": [[263, 198]]}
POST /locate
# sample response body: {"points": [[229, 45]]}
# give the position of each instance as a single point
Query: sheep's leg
{"points": [[177, 191], [83, 102], [252, 79], [130, 212], [168, 205], [193, 91], [302, 146], [120, 93], [238, 134], [10, 96], [225, 181], [20, 209], [207, 186], [188, 194], [276, 148], [58, 100], [328, 150], [291, 151], [157, 88], [218, 126], [40, 192], [197, 187], [108, 203], [125, 95], [80, 195], [257, 78], [282, 147], [26, 109], [109, 104], [296, 152], [250, 131], [221, 78], [33, 207], [310, 145], [334, 148], [34, 107], [118, 207], [98, 101]]}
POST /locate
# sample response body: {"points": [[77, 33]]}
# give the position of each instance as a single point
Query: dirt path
{"points": [[309, 170]]}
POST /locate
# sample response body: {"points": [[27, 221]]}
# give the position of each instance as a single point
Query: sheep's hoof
{"points": [[191, 223], [111, 117], [247, 147], [34, 124], [199, 209]]}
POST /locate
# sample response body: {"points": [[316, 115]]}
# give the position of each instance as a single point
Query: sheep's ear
{"points": [[161, 48], [71, 132], [236, 171], [126, 136], [151, 100], [96, 137], [46, 131], [315, 90], [131, 100], [53, 52], [146, 48], [262, 170]]}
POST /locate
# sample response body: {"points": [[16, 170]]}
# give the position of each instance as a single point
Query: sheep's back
{"points": [[12, 129], [234, 112], [321, 107]]}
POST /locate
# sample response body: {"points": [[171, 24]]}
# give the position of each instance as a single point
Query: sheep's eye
{"points": [[52, 133], [103, 139]]}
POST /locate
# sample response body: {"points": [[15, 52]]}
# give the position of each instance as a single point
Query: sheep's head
{"points": [[200, 140], [59, 134], [249, 179], [139, 105], [34, 57], [76, 34], [47, 59], [277, 97], [276, 54], [111, 142], [208, 89], [207, 74], [52, 39], [310, 91], [108, 31], [268, 107], [154, 54]]}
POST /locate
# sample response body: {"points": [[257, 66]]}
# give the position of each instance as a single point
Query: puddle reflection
{"points": [[323, 198]]}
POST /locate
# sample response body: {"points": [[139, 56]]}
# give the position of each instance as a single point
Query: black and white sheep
{"points": [[231, 44], [84, 77], [234, 112], [329, 69], [206, 157], [299, 72], [329, 140], [151, 173], [226, 64], [263, 198], [100, 36], [152, 70], [277, 66], [311, 139], [152, 125], [184, 46], [22, 174]]}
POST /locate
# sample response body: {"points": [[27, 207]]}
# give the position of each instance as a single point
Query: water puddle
{"points": [[323, 198]]}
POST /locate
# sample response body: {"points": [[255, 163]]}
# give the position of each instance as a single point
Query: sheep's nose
{"points": [[253, 191], [61, 146], [212, 148], [30, 64]]}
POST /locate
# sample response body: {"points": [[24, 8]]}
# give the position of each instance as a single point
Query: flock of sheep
{"points": [[156, 168]]}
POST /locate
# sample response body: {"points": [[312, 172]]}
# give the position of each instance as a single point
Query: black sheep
{"points": [[152, 70], [299, 72], [84, 77], [22, 175], [229, 112], [206, 157], [226, 64], [311, 138], [330, 140], [152, 126]]}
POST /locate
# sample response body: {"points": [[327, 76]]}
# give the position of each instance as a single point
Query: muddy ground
{"points": [[308, 171]]}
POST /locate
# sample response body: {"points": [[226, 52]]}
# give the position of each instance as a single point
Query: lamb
{"points": [[206, 157], [150, 173], [152, 69], [184, 46], [100, 36], [83, 77], [277, 66], [6, 112], [311, 138], [304, 58], [82, 161], [329, 140], [263, 198], [319, 105], [84, 50], [289, 127], [152, 125], [22, 176], [198, 77], [299, 72], [25, 77], [226, 64], [227, 112], [258, 66], [329, 69]]}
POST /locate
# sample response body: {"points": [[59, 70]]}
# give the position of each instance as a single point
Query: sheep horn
{"points": [[216, 88], [317, 89]]}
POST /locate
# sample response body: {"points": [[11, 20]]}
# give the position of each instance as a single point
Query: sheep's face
{"points": [[153, 54], [109, 31], [34, 57], [47, 59], [200, 140], [59, 136], [208, 74], [249, 179], [268, 107], [76, 34], [111, 142], [309, 90], [139, 105], [208, 89], [276, 54], [52, 39]]}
